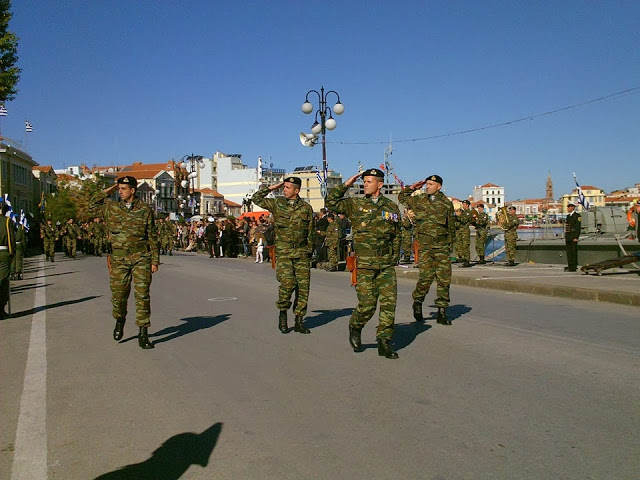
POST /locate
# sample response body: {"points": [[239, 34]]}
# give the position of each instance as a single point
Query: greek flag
{"points": [[8, 202], [27, 126], [320, 181], [23, 220], [3, 111], [581, 198]]}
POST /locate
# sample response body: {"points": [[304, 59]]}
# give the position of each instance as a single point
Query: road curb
{"points": [[564, 291]]}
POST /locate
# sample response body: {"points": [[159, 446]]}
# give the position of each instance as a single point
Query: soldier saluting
{"points": [[293, 220], [375, 225], [131, 227]]}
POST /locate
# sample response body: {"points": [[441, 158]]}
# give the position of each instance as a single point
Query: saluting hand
{"points": [[418, 185], [276, 186], [352, 180]]}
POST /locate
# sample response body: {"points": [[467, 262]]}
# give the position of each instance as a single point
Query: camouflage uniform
{"points": [[375, 226], [463, 234], [169, 235], [7, 250], [72, 232], [21, 246], [482, 230], [294, 243], [434, 228], [49, 235], [510, 236], [407, 234], [98, 235], [133, 236], [332, 240]]}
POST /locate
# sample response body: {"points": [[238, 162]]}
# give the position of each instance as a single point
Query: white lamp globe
{"points": [[201, 164], [157, 192], [330, 124], [316, 128], [183, 165], [184, 183], [307, 108], [193, 175], [338, 108]]}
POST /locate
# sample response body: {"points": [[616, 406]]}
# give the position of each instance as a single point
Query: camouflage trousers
{"points": [[481, 239], [16, 262], [332, 253], [97, 244], [294, 276], [510, 245], [166, 244], [5, 267], [134, 267], [405, 245], [71, 246], [463, 243], [372, 285], [434, 263], [49, 248]]}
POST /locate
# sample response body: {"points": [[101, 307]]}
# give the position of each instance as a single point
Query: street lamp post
{"points": [[325, 123], [188, 183]]}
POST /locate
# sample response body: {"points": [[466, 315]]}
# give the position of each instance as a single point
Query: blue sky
{"points": [[113, 82]]}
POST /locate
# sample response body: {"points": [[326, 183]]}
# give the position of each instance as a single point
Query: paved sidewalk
{"points": [[614, 286]]}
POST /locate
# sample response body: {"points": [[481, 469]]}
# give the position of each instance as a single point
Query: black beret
{"points": [[466, 201], [295, 180], [480, 205], [435, 178], [373, 172], [128, 180]]}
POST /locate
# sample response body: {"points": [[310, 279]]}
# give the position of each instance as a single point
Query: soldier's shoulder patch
{"points": [[579, 219]]}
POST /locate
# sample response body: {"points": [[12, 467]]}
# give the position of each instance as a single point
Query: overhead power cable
{"points": [[495, 125]]}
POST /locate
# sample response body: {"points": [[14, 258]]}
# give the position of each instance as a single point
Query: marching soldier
{"points": [[434, 228], [21, 246], [98, 231], [73, 232], [7, 250], [407, 236], [463, 220], [169, 236], [511, 235], [482, 230], [332, 241], [572, 227], [49, 235], [293, 218], [130, 224], [375, 226]]}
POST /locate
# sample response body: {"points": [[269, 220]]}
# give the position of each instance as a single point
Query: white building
{"points": [[490, 194]]}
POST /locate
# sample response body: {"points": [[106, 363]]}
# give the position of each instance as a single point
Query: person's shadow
{"points": [[173, 458], [406, 333], [453, 312], [190, 325], [326, 316]]}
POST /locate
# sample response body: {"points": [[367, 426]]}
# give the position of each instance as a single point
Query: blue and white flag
{"points": [[23, 220], [8, 202], [3, 111], [320, 181], [27, 126], [581, 198]]}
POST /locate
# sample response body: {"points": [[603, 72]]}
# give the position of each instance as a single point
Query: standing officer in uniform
{"points": [[7, 250], [49, 235], [211, 235], [293, 219], [21, 246], [572, 227], [511, 235], [434, 228], [464, 219], [332, 240], [482, 230], [375, 226], [170, 232], [131, 226]]}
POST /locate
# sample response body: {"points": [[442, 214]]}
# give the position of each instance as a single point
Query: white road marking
{"points": [[30, 453], [222, 299]]}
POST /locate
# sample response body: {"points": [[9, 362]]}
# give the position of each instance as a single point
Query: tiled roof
{"points": [[209, 191], [140, 174], [66, 177], [490, 185], [229, 203], [43, 168], [148, 166]]}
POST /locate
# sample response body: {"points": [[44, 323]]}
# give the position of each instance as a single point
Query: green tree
{"points": [[9, 73], [72, 200]]}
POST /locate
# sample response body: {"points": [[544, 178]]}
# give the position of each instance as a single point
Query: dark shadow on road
{"points": [[406, 333], [32, 270], [52, 305], [190, 325], [326, 316], [56, 274], [28, 286], [173, 458], [453, 311]]}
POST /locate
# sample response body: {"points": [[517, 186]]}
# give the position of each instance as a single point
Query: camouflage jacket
{"points": [[375, 227], [512, 223], [49, 232], [333, 233], [132, 230], [97, 230], [434, 223], [482, 221], [21, 235], [72, 230], [464, 219], [7, 236], [293, 223]]}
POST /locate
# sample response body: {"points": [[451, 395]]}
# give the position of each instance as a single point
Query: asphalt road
{"points": [[519, 387]]}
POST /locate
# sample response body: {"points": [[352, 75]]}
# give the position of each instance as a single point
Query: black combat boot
{"points": [[465, 264], [118, 332], [143, 339], [385, 350], [299, 325], [282, 322], [417, 311], [442, 316], [511, 263], [355, 338], [482, 260]]}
